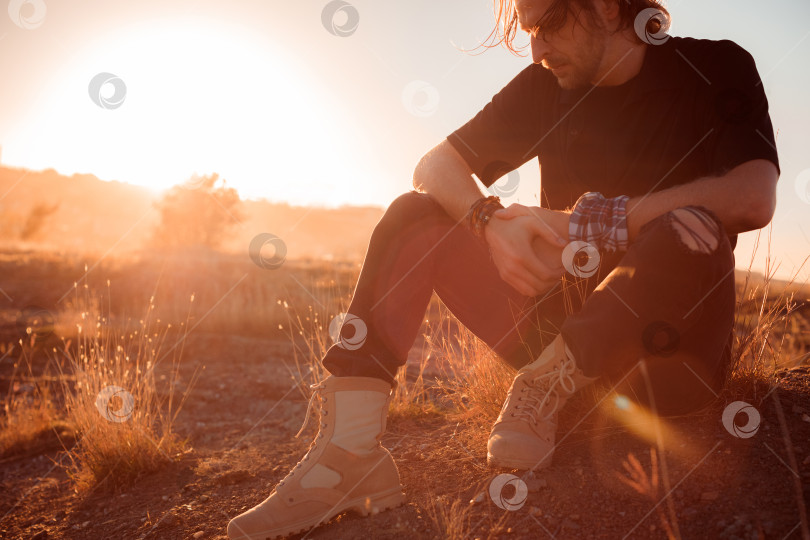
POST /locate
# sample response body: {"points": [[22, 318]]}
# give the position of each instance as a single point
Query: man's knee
{"points": [[698, 230], [410, 206]]}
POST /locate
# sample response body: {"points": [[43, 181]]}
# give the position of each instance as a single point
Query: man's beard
{"points": [[583, 69]]}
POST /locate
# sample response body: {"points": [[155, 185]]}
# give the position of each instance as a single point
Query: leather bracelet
{"points": [[480, 213]]}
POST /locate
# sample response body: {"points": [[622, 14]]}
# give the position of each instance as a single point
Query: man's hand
{"points": [[526, 247]]}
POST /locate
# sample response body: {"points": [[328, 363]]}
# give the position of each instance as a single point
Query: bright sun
{"points": [[200, 97]]}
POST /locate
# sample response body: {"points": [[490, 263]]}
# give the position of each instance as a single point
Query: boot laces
{"points": [[543, 388], [317, 394]]}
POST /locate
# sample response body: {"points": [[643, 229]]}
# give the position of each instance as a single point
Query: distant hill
{"points": [[83, 213]]}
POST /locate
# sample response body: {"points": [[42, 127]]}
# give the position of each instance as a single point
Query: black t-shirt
{"points": [[697, 108]]}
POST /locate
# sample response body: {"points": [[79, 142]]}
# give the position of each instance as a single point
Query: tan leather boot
{"points": [[346, 467], [523, 437]]}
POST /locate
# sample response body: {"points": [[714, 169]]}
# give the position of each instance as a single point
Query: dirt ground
{"points": [[243, 413]]}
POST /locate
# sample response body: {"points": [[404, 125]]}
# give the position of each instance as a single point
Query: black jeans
{"points": [[661, 302]]}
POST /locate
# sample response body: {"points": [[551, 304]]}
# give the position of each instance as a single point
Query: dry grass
{"points": [[31, 419], [649, 487], [315, 330], [27, 419], [450, 516], [474, 379], [414, 398], [123, 411], [767, 334]]}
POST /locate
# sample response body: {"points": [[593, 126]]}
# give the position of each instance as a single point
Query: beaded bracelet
{"points": [[480, 213]]}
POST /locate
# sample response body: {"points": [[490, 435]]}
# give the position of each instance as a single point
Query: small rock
{"points": [[85, 524], [535, 511], [197, 534], [478, 498], [805, 418], [709, 495], [165, 497], [203, 498]]}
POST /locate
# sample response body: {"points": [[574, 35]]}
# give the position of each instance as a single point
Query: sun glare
{"points": [[199, 97]]}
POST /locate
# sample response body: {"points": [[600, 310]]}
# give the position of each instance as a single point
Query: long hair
{"points": [[506, 18]]}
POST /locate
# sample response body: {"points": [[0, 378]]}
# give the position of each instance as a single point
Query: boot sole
{"points": [[377, 503], [493, 461]]}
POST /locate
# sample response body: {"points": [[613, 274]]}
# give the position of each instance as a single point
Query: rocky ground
{"points": [[242, 416]]}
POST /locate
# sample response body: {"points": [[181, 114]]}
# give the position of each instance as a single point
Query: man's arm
{"points": [[444, 174], [521, 261], [743, 199]]}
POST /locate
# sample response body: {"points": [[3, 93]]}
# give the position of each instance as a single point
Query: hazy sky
{"points": [[264, 94]]}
